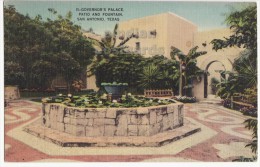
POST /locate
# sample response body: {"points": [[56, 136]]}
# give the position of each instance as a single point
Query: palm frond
{"points": [[176, 52], [115, 35], [192, 51]]}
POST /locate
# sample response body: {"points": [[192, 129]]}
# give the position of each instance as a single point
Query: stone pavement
{"points": [[222, 138]]}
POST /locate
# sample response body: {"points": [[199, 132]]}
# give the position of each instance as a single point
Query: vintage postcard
{"points": [[130, 81]]}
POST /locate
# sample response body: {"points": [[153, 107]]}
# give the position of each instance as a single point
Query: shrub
{"points": [[77, 85], [226, 103], [97, 101], [251, 95], [252, 111], [114, 84], [214, 82], [185, 99], [160, 73]]}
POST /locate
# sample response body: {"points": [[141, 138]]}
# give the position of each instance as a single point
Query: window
{"points": [[137, 46]]}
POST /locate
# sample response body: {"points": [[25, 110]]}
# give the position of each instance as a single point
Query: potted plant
{"points": [[116, 89]]}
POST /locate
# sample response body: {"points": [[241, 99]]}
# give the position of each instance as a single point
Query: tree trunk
{"points": [[185, 83], [68, 87], [180, 86]]}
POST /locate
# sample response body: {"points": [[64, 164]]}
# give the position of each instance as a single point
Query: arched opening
{"points": [[212, 76]]}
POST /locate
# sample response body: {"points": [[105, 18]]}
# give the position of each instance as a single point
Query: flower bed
{"points": [[249, 111], [185, 99], [103, 101]]}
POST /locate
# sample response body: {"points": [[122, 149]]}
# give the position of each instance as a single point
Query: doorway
{"points": [[212, 76]]}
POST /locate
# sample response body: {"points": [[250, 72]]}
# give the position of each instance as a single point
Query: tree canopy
{"points": [[42, 49], [244, 27], [243, 79], [243, 24]]}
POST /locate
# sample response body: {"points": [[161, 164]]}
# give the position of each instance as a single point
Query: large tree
{"points": [[42, 48], [73, 51], [244, 27], [120, 68], [24, 40], [107, 49], [243, 24]]}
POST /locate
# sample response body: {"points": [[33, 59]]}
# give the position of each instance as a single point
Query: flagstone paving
{"points": [[222, 138]]}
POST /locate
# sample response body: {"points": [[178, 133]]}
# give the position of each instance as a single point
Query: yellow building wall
{"points": [[150, 45], [180, 33], [220, 55], [225, 56]]}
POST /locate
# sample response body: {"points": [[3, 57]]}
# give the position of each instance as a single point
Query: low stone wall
{"points": [[92, 122]]}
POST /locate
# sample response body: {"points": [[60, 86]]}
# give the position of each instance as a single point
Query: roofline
{"points": [[214, 29], [182, 18]]}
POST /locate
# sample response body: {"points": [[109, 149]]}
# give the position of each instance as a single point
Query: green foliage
{"points": [[23, 42], [244, 25], [244, 77], [214, 82], [121, 68], [191, 70], [168, 72], [114, 84], [40, 94], [149, 77], [97, 101], [185, 99], [43, 49], [251, 95], [13, 73], [247, 72], [107, 49], [77, 85], [129, 68], [243, 159], [114, 63], [68, 67], [251, 124], [227, 87], [44, 72]]}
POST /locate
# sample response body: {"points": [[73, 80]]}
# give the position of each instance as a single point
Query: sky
{"points": [[206, 15]]}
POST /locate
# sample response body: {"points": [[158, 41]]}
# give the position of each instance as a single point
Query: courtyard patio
{"points": [[222, 138]]}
